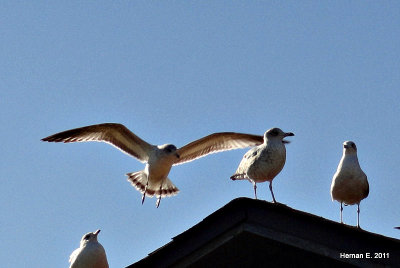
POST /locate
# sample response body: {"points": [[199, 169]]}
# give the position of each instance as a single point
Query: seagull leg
{"points": [[144, 193], [341, 212], [270, 188], [255, 188], [159, 197], [158, 201], [358, 215], [143, 197]]}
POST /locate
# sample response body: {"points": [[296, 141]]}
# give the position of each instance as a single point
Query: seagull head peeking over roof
{"points": [[89, 254]]}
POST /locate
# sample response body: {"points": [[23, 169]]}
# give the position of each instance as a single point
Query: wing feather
{"points": [[366, 189], [215, 143], [115, 134]]}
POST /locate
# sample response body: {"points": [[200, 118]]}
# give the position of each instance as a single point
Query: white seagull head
{"points": [[276, 134], [89, 237], [349, 147], [169, 150]]}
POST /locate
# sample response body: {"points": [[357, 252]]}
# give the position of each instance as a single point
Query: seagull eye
{"points": [[87, 237]]}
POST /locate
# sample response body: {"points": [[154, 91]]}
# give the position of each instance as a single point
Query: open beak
{"points": [[286, 135]]}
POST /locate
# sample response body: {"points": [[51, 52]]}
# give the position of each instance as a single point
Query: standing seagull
{"points": [[159, 159], [349, 184], [89, 254], [264, 162]]}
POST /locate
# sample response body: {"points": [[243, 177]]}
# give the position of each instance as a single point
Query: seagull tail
{"points": [[139, 181], [167, 189], [238, 177]]}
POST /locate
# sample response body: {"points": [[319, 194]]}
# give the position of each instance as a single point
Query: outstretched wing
{"points": [[115, 134], [215, 143]]}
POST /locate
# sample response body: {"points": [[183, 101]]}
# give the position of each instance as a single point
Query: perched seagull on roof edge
{"points": [[89, 254], [264, 162], [349, 184], [159, 159]]}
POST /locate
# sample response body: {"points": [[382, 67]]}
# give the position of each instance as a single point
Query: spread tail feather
{"points": [[139, 181]]}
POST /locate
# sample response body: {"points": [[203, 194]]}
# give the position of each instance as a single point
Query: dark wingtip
{"points": [[54, 138], [49, 138]]}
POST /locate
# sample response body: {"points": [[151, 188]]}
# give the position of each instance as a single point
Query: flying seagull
{"points": [[89, 254], [349, 184], [264, 162], [159, 159]]}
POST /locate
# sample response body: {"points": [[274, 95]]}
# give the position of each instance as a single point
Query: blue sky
{"points": [[173, 72]]}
